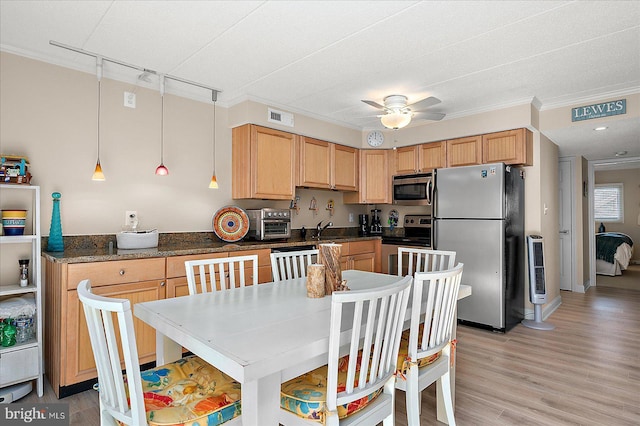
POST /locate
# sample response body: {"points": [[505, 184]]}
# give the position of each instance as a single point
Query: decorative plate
{"points": [[231, 224]]}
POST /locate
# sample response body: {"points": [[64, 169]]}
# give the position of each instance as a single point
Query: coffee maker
{"points": [[376, 226], [363, 228]]}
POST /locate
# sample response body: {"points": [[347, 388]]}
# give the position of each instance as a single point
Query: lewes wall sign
{"points": [[604, 109]]}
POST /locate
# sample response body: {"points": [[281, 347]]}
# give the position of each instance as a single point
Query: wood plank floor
{"points": [[585, 372]]}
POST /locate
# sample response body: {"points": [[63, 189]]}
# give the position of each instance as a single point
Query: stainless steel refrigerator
{"points": [[479, 214]]}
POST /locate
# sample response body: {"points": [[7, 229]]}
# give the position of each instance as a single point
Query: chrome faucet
{"points": [[320, 228]]}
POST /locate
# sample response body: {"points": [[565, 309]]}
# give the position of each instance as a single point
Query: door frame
{"points": [[575, 286], [592, 232]]}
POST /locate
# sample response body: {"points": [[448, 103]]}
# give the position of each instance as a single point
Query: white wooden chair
{"points": [[109, 321], [366, 375], [292, 264], [437, 293], [424, 260], [222, 273]]}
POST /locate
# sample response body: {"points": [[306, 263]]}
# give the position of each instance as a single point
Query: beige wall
{"points": [[630, 179], [541, 190], [48, 113]]}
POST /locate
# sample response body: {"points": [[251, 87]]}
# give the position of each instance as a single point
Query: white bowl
{"points": [[137, 240]]}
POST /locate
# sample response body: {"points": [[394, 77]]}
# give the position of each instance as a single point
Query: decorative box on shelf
{"points": [[14, 169]]}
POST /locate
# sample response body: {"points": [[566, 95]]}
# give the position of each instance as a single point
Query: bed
{"points": [[613, 252]]}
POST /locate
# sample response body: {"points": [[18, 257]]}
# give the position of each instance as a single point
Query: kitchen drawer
{"points": [[116, 272], [175, 264], [18, 365], [359, 247]]}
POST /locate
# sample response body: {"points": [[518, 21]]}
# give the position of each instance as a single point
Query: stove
{"points": [[418, 232]]}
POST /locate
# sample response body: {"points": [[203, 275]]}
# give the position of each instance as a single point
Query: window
{"points": [[607, 202]]}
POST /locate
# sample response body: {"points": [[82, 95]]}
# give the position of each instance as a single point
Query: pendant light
{"points": [[97, 173], [214, 181], [161, 170]]}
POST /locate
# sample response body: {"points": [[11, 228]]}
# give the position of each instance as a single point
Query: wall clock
{"points": [[375, 138]]}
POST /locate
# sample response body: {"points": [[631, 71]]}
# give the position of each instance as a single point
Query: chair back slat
{"points": [[424, 260], [292, 264], [100, 313], [437, 293], [376, 316], [221, 273]]}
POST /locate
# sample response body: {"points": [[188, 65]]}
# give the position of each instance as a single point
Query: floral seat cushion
{"points": [[189, 392], [306, 395], [403, 353]]}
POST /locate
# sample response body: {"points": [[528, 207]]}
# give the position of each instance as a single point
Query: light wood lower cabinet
{"points": [[176, 275], [80, 365], [69, 356], [361, 255]]}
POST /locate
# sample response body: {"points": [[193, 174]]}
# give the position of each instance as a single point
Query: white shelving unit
{"points": [[22, 362]]}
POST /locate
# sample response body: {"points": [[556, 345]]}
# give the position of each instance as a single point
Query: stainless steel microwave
{"points": [[413, 190]]}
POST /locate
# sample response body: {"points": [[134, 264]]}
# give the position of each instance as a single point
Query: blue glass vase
{"points": [[55, 242]]}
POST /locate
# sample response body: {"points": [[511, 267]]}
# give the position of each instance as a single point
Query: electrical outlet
{"points": [[130, 218], [351, 218], [129, 99]]}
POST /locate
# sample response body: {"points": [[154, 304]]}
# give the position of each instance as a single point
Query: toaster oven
{"points": [[269, 224]]}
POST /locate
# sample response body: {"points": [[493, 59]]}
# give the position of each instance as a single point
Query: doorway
{"points": [[567, 224]]}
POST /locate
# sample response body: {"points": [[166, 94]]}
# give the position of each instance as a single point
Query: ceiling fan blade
{"points": [[435, 116], [423, 104], [373, 104]]}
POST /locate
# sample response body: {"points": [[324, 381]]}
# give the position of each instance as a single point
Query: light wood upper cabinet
{"points": [[431, 156], [315, 163], [420, 158], [327, 165], [346, 162], [375, 179], [263, 163], [464, 151], [406, 160], [509, 147]]}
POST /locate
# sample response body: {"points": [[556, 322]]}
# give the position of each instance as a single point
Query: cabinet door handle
{"points": [[162, 284], [121, 271]]}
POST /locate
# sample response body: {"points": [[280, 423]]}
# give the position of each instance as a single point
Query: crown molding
{"points": [[591, 98]]}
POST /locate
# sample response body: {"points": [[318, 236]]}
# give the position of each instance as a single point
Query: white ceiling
{"points": [[320, 58]]}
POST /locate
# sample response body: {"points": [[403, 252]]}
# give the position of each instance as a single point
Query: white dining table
{"points": [[260, 335]]}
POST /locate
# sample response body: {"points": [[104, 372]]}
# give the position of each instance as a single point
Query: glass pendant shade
{"points": [[161, 170], [214, 182], [97, 173], [396, 120]]}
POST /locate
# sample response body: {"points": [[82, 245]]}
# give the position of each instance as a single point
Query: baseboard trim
{"points": [[547, 309]]}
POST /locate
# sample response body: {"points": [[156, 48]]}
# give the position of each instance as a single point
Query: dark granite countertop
{"points": [[83, 249]]}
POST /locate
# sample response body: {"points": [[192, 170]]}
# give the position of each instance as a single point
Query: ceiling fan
{"points": [[398, 114]]}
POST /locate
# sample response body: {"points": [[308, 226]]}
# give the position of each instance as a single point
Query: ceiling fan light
{"points": [[396, 120]]}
